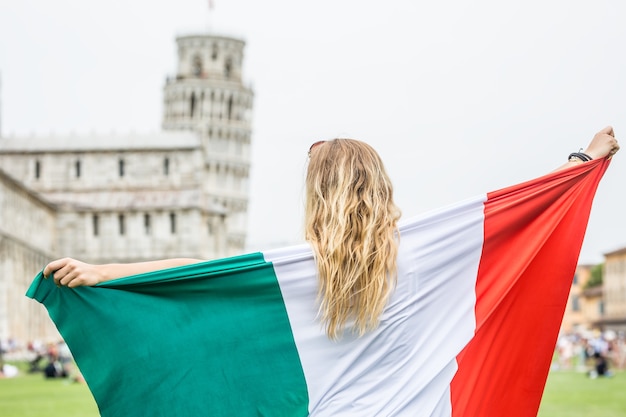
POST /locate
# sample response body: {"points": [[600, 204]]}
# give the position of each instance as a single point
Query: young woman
{"points": [[350, 223]]}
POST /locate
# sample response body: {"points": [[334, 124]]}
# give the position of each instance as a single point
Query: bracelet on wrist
{"points": [[582, 157]]}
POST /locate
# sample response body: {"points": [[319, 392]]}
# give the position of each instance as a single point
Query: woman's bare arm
{"points": [[73, 273], [602, 145]]}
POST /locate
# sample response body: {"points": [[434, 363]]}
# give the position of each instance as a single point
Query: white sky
{"points": [[459, 97]]}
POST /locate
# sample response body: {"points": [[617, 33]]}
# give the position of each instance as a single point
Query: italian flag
{"points": [[469, 331]]}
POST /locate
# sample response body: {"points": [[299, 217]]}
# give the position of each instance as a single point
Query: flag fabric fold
{"points": [[469, 330]]}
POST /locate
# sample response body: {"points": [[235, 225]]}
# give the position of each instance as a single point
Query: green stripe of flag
{"points": [[212, 328]]}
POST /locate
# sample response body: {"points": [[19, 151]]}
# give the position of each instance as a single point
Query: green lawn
{"points": [[573, 394], [31, 395], [567, 394]]}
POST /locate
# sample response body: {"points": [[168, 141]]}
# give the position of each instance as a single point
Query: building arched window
{"points": [[192, 104], [228, 67], [196, 66], [166, 166], [77, 168], [95, 222], [121, 220], [37, 169], [172, 223], [120, 166], [147, 224], [229, 108]]}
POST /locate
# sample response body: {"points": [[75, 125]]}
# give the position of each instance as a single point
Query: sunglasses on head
{"points": [[319, 142]]}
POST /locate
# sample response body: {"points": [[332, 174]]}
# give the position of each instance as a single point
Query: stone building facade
{"points": [[599, 307], [575, 316], [27, 242], [182, 192], [615, 290]]}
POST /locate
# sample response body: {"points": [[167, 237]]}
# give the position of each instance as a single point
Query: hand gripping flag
{"points": [[469, 331]]}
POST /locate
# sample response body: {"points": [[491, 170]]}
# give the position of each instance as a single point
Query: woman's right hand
{"points": [[73, 273]]}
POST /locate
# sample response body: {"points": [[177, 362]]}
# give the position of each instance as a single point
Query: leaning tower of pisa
{"points": [[208, 96]]}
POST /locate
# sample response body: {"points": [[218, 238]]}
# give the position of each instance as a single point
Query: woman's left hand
{"points": [[603, 144]]}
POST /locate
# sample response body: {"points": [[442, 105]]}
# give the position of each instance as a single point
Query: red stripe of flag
{"points": [[533, 236]]}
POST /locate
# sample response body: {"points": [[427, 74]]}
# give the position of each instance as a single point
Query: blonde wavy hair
{"points": [[351, 223]]}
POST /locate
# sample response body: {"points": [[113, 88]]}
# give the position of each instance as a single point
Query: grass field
{"points": [[573, 394], [567, 394], [31, 395]]}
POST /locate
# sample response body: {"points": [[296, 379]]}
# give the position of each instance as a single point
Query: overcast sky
{"points": [[459, 97]]}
